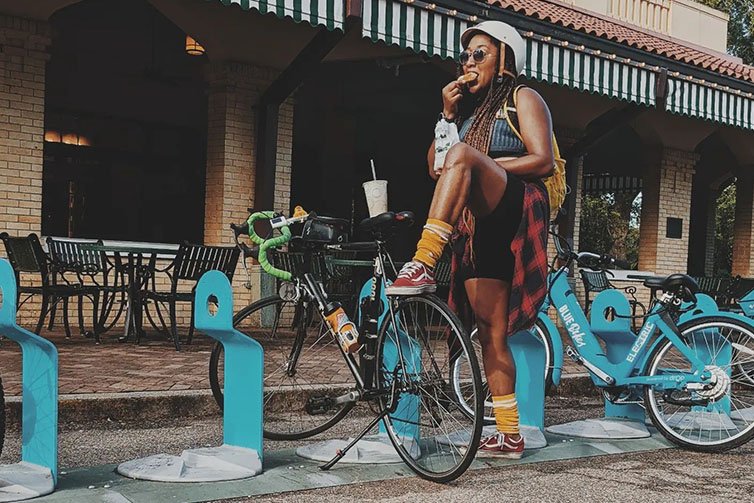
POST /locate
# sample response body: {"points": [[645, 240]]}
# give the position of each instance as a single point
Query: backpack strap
{"points": [[511, 113]]}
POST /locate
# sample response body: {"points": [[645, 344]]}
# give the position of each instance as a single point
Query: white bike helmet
{"points": [[502, 32]]}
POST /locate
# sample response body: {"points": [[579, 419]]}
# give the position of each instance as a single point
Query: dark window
{"points": [[675, 228]]}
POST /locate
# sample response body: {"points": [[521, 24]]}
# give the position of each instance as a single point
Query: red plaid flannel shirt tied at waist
{"points": [[529, 247]]}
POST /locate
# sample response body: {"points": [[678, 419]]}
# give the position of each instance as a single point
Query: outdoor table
{"points": [[139, 268]]}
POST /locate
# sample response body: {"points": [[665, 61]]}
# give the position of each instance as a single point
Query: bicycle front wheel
{"points": [[304, 369], [719, 416], [418, 346]]}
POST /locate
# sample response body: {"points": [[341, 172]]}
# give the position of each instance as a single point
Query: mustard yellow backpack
{"points": [[556, 183]]}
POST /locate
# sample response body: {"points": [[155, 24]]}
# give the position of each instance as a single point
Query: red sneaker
{"points": [[414, 278], [501, 445]]}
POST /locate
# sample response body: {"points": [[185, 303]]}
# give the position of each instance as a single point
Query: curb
{"points": [[161, 405]]}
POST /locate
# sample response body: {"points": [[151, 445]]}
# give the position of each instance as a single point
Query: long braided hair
{"points": [[479, 135], [485, 109]]}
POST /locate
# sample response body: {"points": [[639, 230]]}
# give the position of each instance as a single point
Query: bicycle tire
{"points": [[273, 360], [669, 425], [446, 445], [2, 416], [540, 331]]}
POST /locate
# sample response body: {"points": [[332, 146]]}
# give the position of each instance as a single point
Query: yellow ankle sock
{"points": [[505, 408], [434, 238]]}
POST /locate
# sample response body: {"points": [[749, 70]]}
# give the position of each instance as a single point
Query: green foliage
{"points": [[724, 219], [609, 225], [740, 26]]}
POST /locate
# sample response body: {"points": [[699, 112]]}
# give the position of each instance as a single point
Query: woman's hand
{"points": [[451, 95]]}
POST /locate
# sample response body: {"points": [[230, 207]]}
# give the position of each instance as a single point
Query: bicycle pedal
{"points": [[573, 354], [317, 405]]}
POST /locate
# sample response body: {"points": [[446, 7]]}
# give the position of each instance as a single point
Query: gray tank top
{"points": [[504, 142]]}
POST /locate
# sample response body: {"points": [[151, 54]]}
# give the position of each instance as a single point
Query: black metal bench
{"points": [[190, 263]]}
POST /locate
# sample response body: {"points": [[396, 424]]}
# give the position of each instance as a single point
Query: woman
{"points": [[489, 188]]}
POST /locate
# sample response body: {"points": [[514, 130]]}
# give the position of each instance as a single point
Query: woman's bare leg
{"points": [[468, 177], [489, 300]]}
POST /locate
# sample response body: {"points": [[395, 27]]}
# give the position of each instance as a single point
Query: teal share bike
{"points": [[683, 366]]}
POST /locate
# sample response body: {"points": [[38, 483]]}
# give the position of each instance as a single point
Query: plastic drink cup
{"points": [[376, 194]]}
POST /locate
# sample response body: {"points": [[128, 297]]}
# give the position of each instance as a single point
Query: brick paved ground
{"points": [[113, 367]]}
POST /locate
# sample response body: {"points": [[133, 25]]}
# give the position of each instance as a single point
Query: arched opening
{"points": [[611, 198], [713, 205], [125, 126]]}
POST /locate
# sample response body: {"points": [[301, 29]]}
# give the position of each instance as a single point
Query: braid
{"points": [[480, 131], [479, 134]]}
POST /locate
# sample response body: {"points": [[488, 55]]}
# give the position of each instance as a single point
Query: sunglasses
{"points": [[477, 55]]}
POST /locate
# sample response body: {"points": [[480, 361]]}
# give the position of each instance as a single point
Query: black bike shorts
{"points": [[494, 233]]}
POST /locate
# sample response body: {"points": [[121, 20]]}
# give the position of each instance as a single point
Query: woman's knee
{"points": [[491, 332], [459, 157]]}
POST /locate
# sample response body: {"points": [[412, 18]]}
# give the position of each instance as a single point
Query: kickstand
{"points": [[342, 452], [391, 407]]}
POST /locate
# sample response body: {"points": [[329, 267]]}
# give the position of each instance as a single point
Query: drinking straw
{"points": [[374, 173]]}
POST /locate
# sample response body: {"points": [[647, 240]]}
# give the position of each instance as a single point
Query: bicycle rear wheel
{"points": [[304, 368], [417, 349], [721, 416]]}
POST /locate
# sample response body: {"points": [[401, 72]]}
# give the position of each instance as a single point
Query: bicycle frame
{"points": [[631, 370], [369, 318]]}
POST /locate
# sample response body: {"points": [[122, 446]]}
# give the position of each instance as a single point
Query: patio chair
{"points": [[597, 281], [27, 256], [190, 263], [90, 268]]}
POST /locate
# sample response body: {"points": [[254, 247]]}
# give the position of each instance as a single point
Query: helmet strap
{"points": [[501, 69]]}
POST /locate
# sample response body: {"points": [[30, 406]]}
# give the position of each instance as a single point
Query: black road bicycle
{"points": [[401, 359]]}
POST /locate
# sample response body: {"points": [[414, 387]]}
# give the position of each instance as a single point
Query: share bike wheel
{"points": [[304, 369], [721, 415], [417, 348]]}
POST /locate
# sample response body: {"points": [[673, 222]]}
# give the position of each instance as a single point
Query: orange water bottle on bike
{"points": [[343, 328]]}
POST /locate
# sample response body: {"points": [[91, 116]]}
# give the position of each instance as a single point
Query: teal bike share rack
{"points": [[240, 456], [378, 448], [37, 473], [530, 355], [621, 421]]}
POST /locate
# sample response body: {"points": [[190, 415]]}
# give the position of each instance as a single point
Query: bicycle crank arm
{"points": [[575, 356], [353, 396]]}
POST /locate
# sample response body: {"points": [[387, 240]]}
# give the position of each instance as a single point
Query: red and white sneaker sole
{"points": [[483, 453], [410, 290]]}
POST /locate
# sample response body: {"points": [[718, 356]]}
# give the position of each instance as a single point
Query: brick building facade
{"points": [[241, 65]]}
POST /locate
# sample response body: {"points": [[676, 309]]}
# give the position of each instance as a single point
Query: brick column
{"points": [[667, 178], [743, 233], [22, 93], [709, 243], [234, 91]]}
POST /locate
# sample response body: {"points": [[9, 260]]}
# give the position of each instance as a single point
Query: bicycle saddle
{"points": [[681, 284], [384, 224]]}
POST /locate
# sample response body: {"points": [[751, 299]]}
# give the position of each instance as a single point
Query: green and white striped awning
{"points": [[583, 69], [716, 104], [328, 13], [412, 27], [436, 31]]}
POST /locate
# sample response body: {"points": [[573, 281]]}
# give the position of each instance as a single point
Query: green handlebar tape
{"points": [[265, 244]]}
